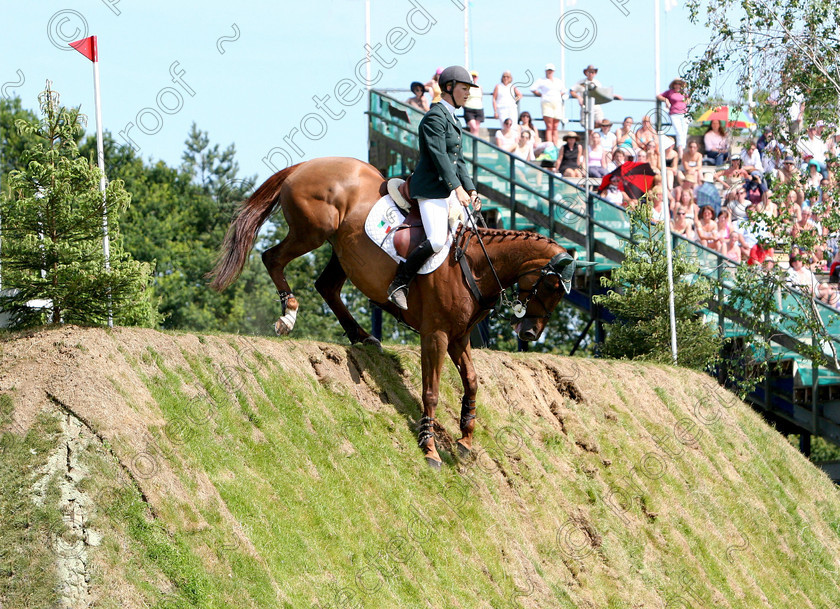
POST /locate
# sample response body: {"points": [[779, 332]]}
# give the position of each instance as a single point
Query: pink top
{"points": [[715, 142], [677, 100]]}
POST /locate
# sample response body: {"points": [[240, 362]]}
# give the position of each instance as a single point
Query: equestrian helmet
{"points": [[452, 75]]}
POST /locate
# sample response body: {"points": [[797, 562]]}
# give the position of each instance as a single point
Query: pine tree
{"points": [[638, 297], [52, 250]]}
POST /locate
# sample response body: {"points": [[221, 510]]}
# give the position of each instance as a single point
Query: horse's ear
{"points": [[560, 261]]}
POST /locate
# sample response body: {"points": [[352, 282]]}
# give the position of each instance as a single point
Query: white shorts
{"points": [[552, 109]]}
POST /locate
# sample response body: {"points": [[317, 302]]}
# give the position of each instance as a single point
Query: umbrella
{"points": [[737, 119], [636, 179]]}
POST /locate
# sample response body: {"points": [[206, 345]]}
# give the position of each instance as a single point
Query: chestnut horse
{"points": [[328, 199]]}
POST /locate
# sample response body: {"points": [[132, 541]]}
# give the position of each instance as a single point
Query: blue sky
{"points": [[247, 71]]}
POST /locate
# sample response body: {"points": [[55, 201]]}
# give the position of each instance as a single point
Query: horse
{"points": [[328, 199]]}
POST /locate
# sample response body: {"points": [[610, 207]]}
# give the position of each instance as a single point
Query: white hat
{"points": [[549, 66]]}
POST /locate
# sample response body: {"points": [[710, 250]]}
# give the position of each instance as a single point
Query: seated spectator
{"points": [[803, 278], [765, 140], [419, 100], [738, 206], [732, 175], [570, 157], [434, 87], [724, 224], [814, 178], [506, 136], [525, 146], [687, 201], [734, 247], [791, 207], [645, 133], [624, 135], [762, 255], [707, 193], [716, 142], [607, 136], [596, 157], [692, 160], [616, 159], [755, 188], [657, 209], [527, 123], [707, 230], [751, 159], [681, 225], [614, 194]]}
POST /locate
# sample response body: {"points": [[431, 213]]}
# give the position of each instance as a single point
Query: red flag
{"points": [[87, 47]]}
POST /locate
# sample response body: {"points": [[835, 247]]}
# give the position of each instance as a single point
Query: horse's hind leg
{"points": [[275, 260], [329, 286], [461, 355]]}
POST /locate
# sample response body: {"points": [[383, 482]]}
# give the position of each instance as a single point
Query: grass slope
{"points": [[219, 471]]}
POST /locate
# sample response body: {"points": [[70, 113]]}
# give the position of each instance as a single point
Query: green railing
{"points": [[532, 197]]}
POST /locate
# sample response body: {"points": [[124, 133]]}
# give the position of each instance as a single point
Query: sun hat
{"points": [[590, 68]]}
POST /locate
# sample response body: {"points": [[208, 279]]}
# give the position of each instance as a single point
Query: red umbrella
{"points": [[635, 179]]}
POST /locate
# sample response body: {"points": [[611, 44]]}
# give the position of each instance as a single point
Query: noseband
{"points": [[545, 271]]}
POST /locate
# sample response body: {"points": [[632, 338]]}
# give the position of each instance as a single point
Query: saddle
{"points": [[411, 233]]}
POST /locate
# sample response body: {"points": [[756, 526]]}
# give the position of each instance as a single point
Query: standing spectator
{"points": [[794, 101], [577, 91], [570, 157], [751, 159], [608, 140], [716, 142], [419, 100], [434, 87], [551, 92], [707, 193], [505, 98], [506, 137], [474, 106], [596, 158], [677, 104], [812, 147]]}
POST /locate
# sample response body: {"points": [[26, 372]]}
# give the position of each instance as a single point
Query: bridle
{"points": [[545, 272]]}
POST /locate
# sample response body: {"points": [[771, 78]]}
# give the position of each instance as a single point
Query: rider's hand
{"points": [[463, 196], [475, 200]]}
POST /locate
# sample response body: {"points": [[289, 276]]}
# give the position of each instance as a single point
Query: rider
{"points": [[440, 179]]}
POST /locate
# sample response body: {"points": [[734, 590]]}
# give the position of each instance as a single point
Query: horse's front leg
{"points": [[461, 354], [433, 353]]}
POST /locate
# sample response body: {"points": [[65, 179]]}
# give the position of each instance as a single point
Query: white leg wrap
{"points": [[289, 319]]}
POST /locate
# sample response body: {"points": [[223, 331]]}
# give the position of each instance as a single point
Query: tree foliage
{"points": [[52, 215], [638, 297]]}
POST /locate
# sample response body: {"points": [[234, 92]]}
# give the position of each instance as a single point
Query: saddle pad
{"points": [[380, 225]]}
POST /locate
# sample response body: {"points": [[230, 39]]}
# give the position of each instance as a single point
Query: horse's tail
{"points": [[243, 230]]}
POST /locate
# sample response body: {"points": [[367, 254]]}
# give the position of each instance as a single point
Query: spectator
{"points": [[751, 159], [707, 194], [526, 123], [755, 189], [525, 146], [657, 209], [707, 230], [551, 92], [738, 206], [789, 174], [765, 140], [813, 148], [624, 135], [434, 87], [716, 142], [681, 225], [732, 175], [607, 136], [814, 177], [677, 104], [761, 254], [616, 159], [596, 158], [505, 98], [474, 106], [570, 157], [734, 246], [419, 100], [692, 160], [795, 102], [577, 91], [688, 202], [506, 137], [803, 278], [646, 134], [614, 194]]}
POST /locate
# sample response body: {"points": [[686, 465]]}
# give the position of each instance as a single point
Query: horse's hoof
{"points": [[463, 451], [372, 341], [280, 328], [433, 463]]}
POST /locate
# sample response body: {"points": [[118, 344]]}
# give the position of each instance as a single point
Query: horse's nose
{"points": [[529, 334]]}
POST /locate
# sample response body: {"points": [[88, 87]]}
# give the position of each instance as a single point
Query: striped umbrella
{"points": [[737, 119]]}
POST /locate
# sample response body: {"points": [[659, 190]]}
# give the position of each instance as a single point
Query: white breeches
{"points": [[435, 216]]}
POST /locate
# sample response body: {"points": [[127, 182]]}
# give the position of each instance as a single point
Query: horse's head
{"points": [[540, 289]]}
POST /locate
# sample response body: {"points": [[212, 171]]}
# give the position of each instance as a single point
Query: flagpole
{"points": [[100, 153], [666, 212], [467, 34]]}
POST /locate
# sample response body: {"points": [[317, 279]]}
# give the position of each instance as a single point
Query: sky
{"points": [[279, 80]]}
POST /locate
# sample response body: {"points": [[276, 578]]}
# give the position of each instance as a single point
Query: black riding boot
{"points": [[398, 290]]}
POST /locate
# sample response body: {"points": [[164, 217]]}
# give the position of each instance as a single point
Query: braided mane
{"points": [[503, 233]]}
